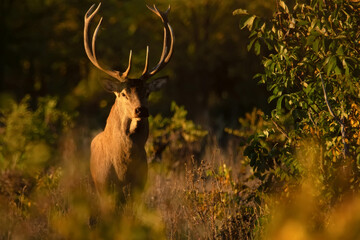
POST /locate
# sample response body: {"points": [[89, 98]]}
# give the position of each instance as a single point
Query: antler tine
{"points": [[94, 40], [168, 10], [124, 75], [93, 14], [154, 10], [166, 51], [162, 57], [91, 53], [146, 68], [167, 59]]}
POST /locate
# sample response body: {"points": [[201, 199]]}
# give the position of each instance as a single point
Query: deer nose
{"points": [[141, 112]]}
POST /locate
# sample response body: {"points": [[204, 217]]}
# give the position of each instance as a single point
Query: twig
{"points": [[343, 132], [280, 129], [339, 121], [327, 102], [311, 119]]}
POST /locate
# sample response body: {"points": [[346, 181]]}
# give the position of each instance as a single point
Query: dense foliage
{"points": [[311, 67]]}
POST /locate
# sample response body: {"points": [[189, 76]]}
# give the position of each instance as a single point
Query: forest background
{"points": [[210, 74]]}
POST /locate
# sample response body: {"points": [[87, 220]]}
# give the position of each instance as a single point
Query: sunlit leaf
{"points": [[240, 11]]}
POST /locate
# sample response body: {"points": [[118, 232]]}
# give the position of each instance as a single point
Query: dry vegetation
{"points": [[51, 196], [200, 192], [189, 201]]}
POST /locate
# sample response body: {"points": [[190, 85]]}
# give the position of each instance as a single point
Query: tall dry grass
{"points": [[190, 199]]}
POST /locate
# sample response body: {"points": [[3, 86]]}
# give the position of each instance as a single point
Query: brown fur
{"points": [[118, 157]]}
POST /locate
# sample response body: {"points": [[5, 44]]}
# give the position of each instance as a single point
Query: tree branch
{"points": [[311, 119], [339, 121], [327, 102], [280, 129]]}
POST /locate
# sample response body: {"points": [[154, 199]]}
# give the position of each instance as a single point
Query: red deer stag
{"points": [[118, 158]]}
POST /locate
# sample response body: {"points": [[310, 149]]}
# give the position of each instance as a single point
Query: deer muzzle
{"points": [[141, 112]]}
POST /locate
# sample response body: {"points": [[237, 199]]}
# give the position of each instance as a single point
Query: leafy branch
{"points": [[293, 44], [339, 121]]}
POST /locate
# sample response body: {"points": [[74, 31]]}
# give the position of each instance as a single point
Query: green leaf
{"points": [[240, 12], [258, 75], [279, 103], [249, 46], [283, 5], [301, 22], [272, 98], [257, 48], [331, 64], [310, 40], [340, 51], [346, 67], [249, 22], [316, 45]]}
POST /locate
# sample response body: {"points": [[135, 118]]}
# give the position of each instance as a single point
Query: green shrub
{"points": [[311, 62], [29, 138], [176, 135]]}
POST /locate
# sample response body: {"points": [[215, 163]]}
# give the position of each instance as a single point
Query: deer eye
{"points": [[124, 95]]}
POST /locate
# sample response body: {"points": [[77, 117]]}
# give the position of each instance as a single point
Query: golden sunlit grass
{"points": [[308, 212], [304, 217], [206, 200], [190, 201]]}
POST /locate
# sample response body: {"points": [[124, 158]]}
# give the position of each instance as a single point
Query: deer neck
{"points": [[120, 126]]}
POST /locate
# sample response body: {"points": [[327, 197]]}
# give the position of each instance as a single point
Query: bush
{"points": [[311, 62], [29, 138], [177, 136]]}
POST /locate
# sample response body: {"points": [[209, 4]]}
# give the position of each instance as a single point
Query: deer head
{"points": [[132, 94]]}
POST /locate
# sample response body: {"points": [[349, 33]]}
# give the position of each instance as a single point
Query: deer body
{"points": [[118, 158]]}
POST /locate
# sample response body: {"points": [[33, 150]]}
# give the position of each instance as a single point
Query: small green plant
{"points": [[252, 123], [175, 133], [29, 137]]}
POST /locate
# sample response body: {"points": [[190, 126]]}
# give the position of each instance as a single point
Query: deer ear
{"points": [[156, 84], [111, 85]]}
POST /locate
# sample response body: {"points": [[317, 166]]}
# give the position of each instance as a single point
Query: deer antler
{"points": [[122, 77], [167, 51]]}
